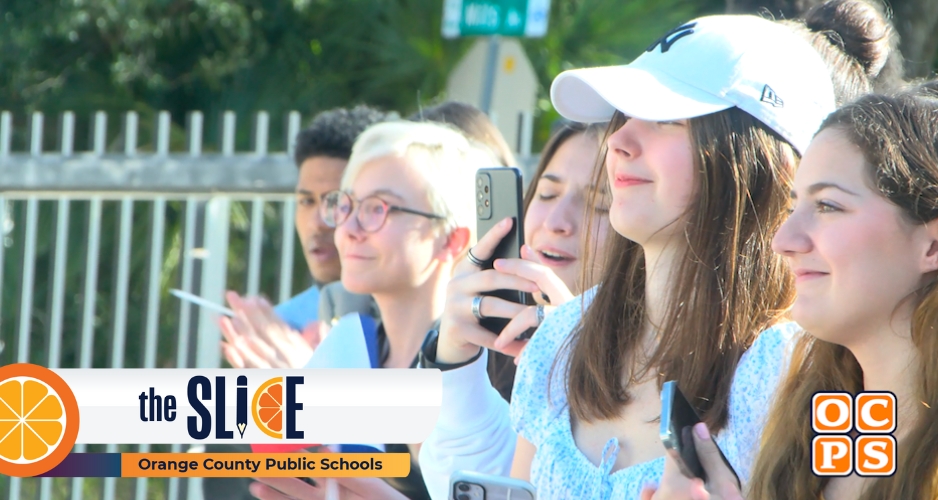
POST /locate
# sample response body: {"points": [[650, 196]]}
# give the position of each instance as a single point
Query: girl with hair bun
{"points": [[862, 241], [858, 43], [707, 126]]}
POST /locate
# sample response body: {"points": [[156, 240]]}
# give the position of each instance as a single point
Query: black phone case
{"points": [[677, 431], [498, 195]]}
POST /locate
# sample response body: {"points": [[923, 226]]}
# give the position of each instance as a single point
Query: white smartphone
{"points": [[467, 485], [199, 301]]}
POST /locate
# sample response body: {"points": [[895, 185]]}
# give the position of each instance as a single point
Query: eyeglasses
{"points": [[337, 207]]}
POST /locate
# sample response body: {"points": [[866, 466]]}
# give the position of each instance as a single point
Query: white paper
{"points": [[343, 347]]}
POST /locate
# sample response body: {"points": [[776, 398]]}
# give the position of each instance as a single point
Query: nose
{"points": [[624, 141], [562, 219], [316, 224], [792, 237], [350, 228]]}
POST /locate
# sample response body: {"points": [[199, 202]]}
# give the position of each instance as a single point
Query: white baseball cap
{"points": [[708, 65]]}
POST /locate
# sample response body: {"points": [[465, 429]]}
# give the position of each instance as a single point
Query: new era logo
{"points": [[769, 96], [672, 36]]}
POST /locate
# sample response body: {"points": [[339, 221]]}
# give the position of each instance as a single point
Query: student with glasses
{"points": [[372, 212], [403, 217]]}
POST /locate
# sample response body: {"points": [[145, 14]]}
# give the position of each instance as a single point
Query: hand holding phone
{"points": [[498, 196], [677, 426], [467, 485]]}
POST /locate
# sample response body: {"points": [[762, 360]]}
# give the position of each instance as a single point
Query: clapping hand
{"points": [[257, 338]]}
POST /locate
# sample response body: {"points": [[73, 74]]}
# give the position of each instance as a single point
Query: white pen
{"points": [[202, 302]]}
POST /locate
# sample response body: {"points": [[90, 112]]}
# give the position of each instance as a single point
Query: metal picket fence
{"points": [[97, 223], [90, 242]]}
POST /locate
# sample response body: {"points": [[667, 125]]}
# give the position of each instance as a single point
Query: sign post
{"points": [[491, 61], [526, 18], [495, 19]]}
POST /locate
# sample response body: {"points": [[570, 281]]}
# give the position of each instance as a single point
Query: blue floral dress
{"points": [[560, 470]]}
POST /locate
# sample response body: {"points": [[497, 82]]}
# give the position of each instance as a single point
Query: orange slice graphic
{"points": [[267, 407], [38, 420]]}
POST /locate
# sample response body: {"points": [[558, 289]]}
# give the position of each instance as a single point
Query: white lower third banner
{"points": [[316, 406]]}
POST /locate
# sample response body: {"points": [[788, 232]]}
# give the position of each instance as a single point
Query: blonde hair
{"points": [[443, 156]]}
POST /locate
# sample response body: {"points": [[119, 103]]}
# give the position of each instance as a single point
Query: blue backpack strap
{"points": [[370, 330]]}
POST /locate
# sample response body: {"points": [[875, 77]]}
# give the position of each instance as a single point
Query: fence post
{"points": [[67, 133], [6, 133], [162, 133], [228, 129], [131, 120], [194, 124], [261, 133], [214, 274], [35, 133], [292, 129], [99, 133]]}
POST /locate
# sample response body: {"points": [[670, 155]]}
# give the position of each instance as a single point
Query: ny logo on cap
{"points": [[679, 32], [769, 96]]}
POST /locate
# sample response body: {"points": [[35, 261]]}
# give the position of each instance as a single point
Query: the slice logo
{"points": [[38, 420], [872, 452]]}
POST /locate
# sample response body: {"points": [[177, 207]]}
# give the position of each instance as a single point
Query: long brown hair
{"points": [[899, 139], [728, 287], [501, 367]]}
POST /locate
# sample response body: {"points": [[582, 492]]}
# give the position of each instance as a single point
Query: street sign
{"points": [[495, 17], [500, 80]]}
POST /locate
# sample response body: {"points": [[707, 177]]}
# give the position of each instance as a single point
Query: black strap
{"points": [[426, 358], [384, 347]]}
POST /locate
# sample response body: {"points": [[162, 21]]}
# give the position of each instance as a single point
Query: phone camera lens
{"points": [[463, 487], [462, 496]]}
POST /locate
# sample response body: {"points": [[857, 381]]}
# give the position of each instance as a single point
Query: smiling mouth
{"points": [[626, 181], [357, 257], [555, 257], [808, 275]]}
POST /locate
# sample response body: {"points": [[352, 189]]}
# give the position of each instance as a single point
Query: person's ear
{"points": [[457, 242], [930, 258]]}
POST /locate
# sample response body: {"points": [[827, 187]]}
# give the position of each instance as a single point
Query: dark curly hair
{"points": [[332, 133]]}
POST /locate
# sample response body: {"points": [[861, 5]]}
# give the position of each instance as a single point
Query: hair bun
{"points": [[859, 28]]}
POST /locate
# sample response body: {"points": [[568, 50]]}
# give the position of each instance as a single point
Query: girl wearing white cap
{"points": [[862, 239], [707, 126]]}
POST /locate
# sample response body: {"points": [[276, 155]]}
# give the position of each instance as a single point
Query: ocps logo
{"points": [[872, 452]]}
